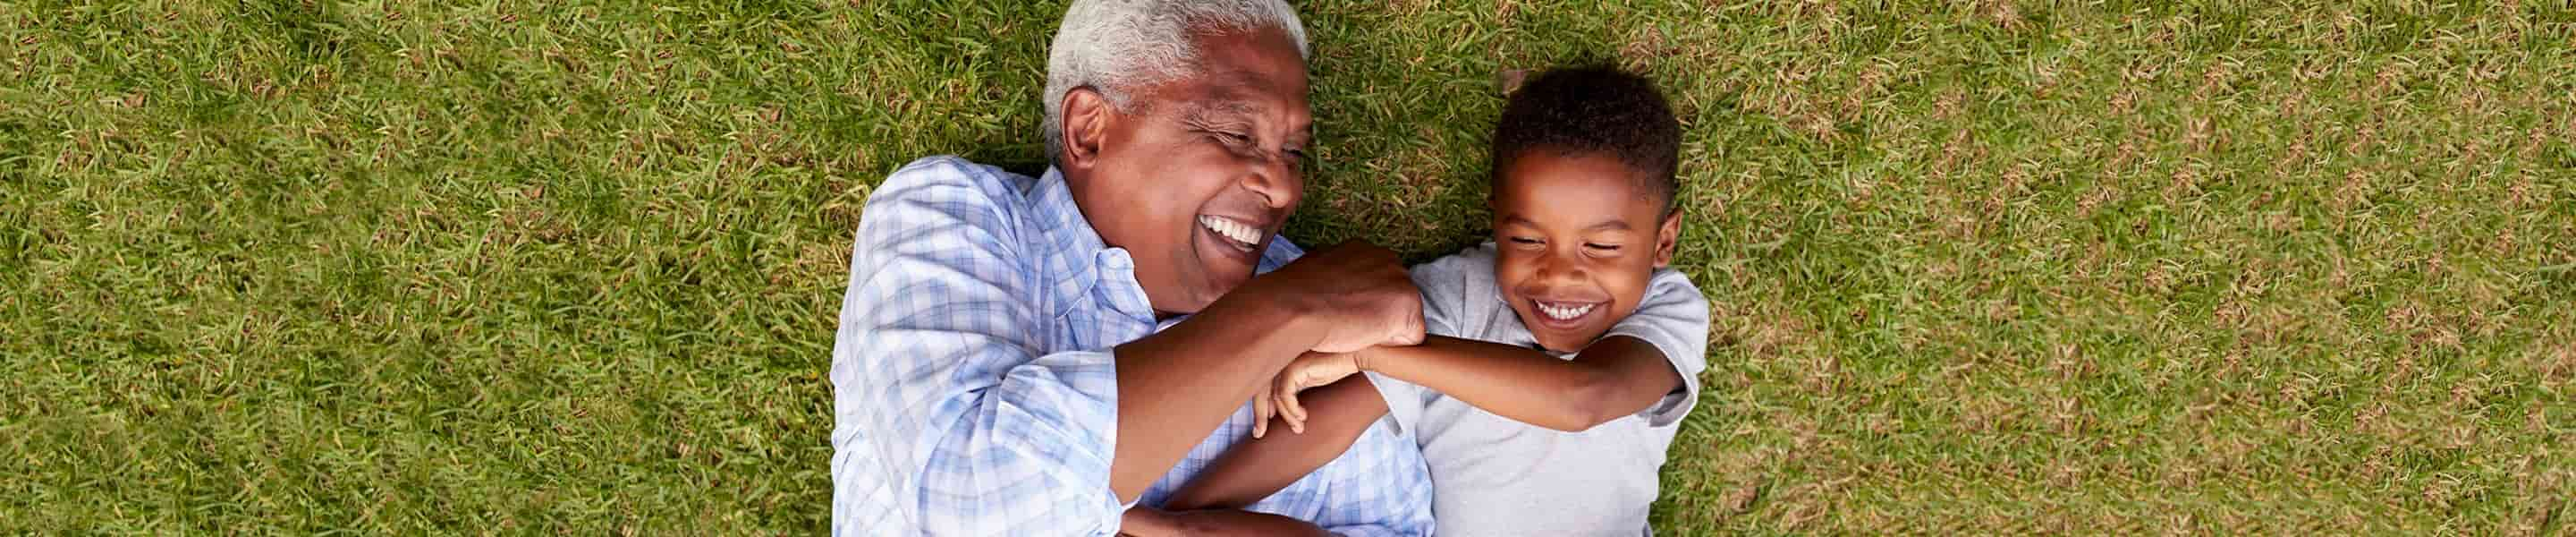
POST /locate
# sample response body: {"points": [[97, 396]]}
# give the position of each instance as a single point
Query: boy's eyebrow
{"points": [[1605, 225], [1609, 225]]}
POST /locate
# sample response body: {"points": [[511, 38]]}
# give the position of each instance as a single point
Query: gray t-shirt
{"points": [[1494, 476]]}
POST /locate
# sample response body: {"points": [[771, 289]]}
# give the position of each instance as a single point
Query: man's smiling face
{"points": [[1195, 179]]}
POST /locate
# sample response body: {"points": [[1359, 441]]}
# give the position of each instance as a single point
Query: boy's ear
{"points": [[1668, 236], [1087, 115]]}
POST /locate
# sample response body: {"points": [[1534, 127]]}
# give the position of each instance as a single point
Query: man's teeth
{"points": [[1564, 313], [1231, 229]]}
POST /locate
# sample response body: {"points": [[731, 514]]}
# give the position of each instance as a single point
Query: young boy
{"points": [[1571, 351]]}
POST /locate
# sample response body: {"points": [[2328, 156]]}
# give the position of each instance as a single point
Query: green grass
{"points": [[1976, 266]]}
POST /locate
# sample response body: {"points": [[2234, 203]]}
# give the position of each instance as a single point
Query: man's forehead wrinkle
{"points": [[1221, 102], [1229, 102]]}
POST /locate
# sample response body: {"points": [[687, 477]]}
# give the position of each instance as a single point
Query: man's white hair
{"points": [[1115, 46]]}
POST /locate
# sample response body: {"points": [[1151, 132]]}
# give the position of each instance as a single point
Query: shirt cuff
{"points": [[1071, 398]]}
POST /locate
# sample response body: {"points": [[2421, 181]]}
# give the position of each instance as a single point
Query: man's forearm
{"points": [[1259, 467], [1610, 378], [1149, 522], [1178, 385]]}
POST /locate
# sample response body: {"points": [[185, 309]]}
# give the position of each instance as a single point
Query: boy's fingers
{"points": [[1291, 405], [1260, 416], [1295, 411]]}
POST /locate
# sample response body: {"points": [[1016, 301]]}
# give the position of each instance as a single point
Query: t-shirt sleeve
{"points": [[1673, 318], [1446, 284], [1404, 400]]}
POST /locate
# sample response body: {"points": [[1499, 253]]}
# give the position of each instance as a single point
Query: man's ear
{"points": [[1087, 115], [1668, 236]]}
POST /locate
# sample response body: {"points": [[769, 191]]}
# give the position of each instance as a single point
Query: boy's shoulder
{"points": [[1458, 290], [1472, 261], [1673, 284]]}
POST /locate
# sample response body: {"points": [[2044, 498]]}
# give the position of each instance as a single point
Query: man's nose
{"points": [[1277, 180]]}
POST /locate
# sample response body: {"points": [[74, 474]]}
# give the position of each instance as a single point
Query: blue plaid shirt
{"points": [[973, 389]]}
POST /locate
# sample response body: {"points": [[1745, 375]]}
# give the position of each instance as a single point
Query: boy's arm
{"points": [[1258, 467], [1616, 376]]}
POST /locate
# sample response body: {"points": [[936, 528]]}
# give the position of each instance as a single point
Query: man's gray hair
{"points": [[1115, 46]]}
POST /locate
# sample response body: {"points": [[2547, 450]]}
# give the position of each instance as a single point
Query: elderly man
{"points": [[1023, 356]]}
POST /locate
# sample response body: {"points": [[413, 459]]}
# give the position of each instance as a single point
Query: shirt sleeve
{"points": [[948, 420], [1445, 284], [1673, 318]]}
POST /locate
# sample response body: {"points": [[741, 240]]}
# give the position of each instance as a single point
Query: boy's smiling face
{"points": [[1577, 241]]}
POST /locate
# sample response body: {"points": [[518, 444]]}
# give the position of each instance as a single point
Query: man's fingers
{"points": [[1409, 334], [1411, 320], [1405, 329]]}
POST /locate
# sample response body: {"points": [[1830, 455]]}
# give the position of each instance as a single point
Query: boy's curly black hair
{"points": [[1594, 110]]}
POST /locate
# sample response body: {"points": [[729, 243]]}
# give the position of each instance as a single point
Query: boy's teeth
{"points": [[1563, 313]]}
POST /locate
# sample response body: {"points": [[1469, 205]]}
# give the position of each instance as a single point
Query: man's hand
{"points": [[1310, 370], [1358, 290]]}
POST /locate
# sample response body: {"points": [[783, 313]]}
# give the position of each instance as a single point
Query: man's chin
{"points": [[1222, 284], [1222, 280], [1216, 275], [1195, 298]]}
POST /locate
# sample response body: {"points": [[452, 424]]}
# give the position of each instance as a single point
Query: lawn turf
{"points": [[1980, 266]]}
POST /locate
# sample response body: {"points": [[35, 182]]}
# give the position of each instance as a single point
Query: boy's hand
{"points": [[1308, 371]]}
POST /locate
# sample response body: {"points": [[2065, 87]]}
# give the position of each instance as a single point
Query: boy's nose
{"points": [[1557, 265]]}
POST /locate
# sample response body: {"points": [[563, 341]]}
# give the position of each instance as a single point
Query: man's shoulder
{"points": [[949, 178], [1279, 254], [949, 207]]}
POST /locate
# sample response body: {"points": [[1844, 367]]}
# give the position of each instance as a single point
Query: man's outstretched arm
{"points": [[1151, 522]]}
